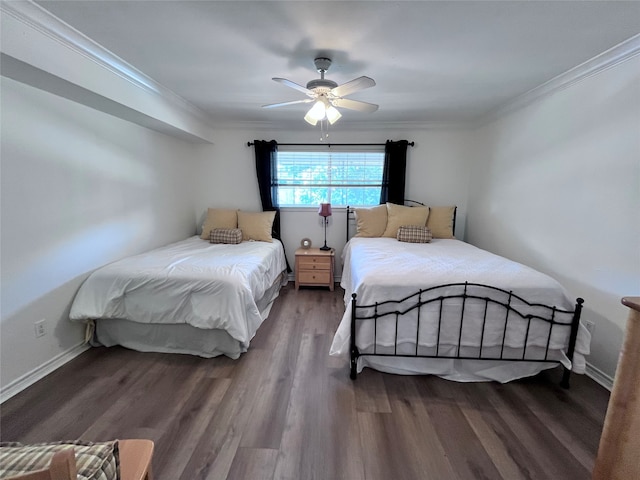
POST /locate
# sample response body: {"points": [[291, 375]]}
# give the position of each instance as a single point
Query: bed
{"points": [[192, 297], [450, 309]]}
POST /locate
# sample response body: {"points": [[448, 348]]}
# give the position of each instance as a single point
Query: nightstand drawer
{"points": [[320, 277], [314, 263]]}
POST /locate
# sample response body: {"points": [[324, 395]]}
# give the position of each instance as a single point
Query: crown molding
{"points": [[620, 53], [44, 22], [300, 126]]}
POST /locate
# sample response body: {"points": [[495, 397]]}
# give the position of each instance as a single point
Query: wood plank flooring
{"points": [[286, 410]]}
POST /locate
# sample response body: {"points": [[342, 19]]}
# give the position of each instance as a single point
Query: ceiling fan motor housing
{"points": [[321, 85]]}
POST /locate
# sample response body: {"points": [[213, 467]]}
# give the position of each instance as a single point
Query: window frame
{"points": [[364, 148]]}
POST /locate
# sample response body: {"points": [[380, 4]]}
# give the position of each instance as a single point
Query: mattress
{"points": [[379, 269]]}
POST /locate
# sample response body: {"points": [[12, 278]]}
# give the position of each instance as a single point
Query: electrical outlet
{"points": [[590, 326], [39, 328]]}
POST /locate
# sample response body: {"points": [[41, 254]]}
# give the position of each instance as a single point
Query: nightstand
{"points": [[314, 267]]}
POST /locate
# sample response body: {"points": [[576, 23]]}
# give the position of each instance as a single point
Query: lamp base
{"points": [[325, 248]]}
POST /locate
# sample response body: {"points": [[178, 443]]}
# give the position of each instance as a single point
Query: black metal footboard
{"points": [[494, 315]]}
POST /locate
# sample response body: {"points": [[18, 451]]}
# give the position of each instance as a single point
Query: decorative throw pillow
{"points": [[440, 221], [414, 234], [93, 460], [398, 215], [371, 222], [226, 235], [219, 218], [256, 225]]}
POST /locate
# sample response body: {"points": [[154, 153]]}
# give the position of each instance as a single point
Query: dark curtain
{"points": [[393, 175], [266, 155]]}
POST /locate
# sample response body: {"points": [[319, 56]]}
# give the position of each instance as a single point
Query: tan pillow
{"points": [[256, 225], [219, 218], [440, 222], [398, 215], [371, 222]]}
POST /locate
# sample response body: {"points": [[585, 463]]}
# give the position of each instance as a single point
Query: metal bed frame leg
{"points": [[575, 325], [353, 350]]}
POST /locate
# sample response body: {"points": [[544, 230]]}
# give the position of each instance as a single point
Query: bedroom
{"points": [[94, 188]]}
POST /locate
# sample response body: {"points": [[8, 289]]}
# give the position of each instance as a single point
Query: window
{"points": [[340, 178]]}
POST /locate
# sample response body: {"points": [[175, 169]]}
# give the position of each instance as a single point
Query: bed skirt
{"points": [[178, 337]]}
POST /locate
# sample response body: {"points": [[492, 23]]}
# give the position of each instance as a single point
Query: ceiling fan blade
{"points": [[354, 85], [274, 105], [294, 85], [354, 105]]}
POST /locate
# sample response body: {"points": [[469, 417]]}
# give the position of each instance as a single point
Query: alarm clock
{"points": [[305, 243]]}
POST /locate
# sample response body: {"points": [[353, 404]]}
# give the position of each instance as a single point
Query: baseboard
{"points": [[599, 376], [40, 372]]}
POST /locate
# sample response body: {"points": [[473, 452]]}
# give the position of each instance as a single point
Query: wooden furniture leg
{"points": [[619, 450], [135, 459]]}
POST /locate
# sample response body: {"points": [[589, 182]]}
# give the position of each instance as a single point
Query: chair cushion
{"points": [[94, 461]]}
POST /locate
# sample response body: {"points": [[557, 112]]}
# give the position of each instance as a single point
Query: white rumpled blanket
{"points": [[191, 281]]}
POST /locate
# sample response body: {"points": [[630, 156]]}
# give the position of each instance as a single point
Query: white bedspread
{"points": [[192, 281], [379, 269]]}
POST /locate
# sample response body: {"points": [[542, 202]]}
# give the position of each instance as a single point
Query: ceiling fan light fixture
{"points": [[310, 120], [318, 111], [333, 115]]}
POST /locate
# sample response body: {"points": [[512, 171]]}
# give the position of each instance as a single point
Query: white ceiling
{"points": [[433, 62]]}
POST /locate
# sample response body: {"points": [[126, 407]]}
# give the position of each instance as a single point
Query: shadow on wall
{"points": [[602, 300]]}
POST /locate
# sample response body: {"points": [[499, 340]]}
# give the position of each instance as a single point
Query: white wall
{"points": [[436, 175], [80, 188], [556, 186]]}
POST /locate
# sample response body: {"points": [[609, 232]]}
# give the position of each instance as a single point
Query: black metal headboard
{"points": [[351, 215]]}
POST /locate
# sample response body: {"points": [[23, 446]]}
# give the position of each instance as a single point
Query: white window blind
{"points": [[340, 178]]}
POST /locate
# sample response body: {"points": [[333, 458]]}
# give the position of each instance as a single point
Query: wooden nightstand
{"points": [[314, 267]]}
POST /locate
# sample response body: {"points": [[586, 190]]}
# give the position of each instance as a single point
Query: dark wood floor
{"points": [[286, 410]]}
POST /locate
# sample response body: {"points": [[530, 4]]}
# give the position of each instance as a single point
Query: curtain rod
{"points": [[411, 144]]}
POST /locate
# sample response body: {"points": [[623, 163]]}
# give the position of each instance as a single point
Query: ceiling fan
{"points": [[326, 95]]}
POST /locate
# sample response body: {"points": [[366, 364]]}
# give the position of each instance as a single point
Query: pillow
{"points": [[256, 225], [414, 234], [219, 218], [440, 221], [231, 236], [93, 460], [371, 222], [398, 215]]}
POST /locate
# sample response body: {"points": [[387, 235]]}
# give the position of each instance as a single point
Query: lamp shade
{"points": [[318, 111], [324, 210], [333, 115]]}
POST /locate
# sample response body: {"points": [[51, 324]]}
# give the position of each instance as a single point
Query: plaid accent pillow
{"points": [[414, 234], [94, 461], [226, 235]]}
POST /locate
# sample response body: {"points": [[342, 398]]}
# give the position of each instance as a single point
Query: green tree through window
{"points": [[340, 178]]}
